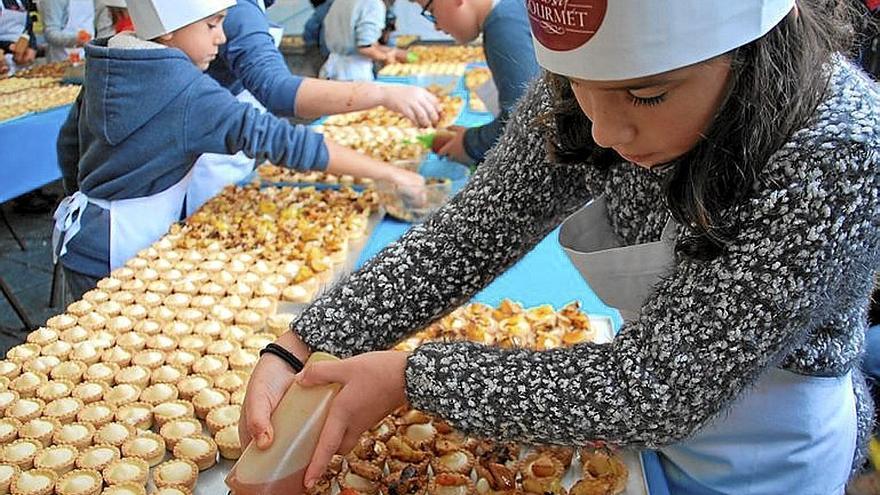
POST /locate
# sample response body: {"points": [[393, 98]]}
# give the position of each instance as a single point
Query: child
{"points": [[353, 30], [509, 54], [68, 26], [18, 45], [714, 166], [147, 113]]}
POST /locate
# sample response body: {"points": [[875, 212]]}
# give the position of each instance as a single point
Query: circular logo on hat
{"points": [[564, 25]]}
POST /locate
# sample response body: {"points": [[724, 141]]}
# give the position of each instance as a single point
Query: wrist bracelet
{"points": [[285, 356]]}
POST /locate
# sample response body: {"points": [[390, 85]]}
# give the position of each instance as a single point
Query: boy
{"points": [[147, 113], [353, 31], [507, 42]]}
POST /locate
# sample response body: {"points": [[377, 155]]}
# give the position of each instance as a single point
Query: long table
{"points": [[27, 152]]}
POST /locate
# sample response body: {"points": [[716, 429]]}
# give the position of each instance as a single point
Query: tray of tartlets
{"points": [[448, 54], [417, 69], [383, 143], [452, 106]]}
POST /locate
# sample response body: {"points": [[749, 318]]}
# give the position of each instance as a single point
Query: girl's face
{"points": [[653, 120], [199, 40]]}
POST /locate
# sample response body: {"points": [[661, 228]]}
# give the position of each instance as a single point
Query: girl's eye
{"points": [[647, 102], [212, 26]]}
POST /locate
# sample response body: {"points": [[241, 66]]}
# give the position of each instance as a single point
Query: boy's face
{"points": [[455, 18], [200, 40]]}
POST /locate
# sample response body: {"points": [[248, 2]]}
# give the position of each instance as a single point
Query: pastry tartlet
{"points": [[228, 442], [199, 449], [7, 474], [137, 263], [39, 429], [178, 429], [61, 322], [123, 273], [161, 265], [22, 352], [178, 329], [149, 300], [235, 334], [27, 383], [541, 474], [123, 297], [162, 343], [147, 274], [75, 335], [59, 349], [147, 446], [279, 324], [191, 385], [9, 430], [210, 365], [222, 348], [101, 372], [102, 339], [169, 411], [96, 296], [419, 435], [361, 477], [43, 336], [263, 305], [63, 410], [120, 324], [209, 328], [110, 308], [148, 358], [25, 410], [114, 434], [58, 458], [162, 315], [186, 287], [131, 341], [230, 381], [451, 484], [258, 341], [80, 308], [167, 374], [85, 352], [212, 289], [89, 392], [134, 375], [237, 397], [126, 489], [109, 284], [196, 344], [223, 417], [137, 414], [222, 314], [209, 399], [176, 473], [137, 312], [55, 389], [494, 477], [96, 414], [177, 301], [97, 457], [249, 318], [181, 359], [41, 365], [122, 394], [203, 302], [235, 299], [459, 461], [191, 315], [80, 482], [72, 371], [34, 482], [117, 355], [243, 360], [128, 470], [93, 321], [149, 328], [21, 453], [171, 276], [159, 393], [79, 435], [9, 369], [162, 287]]}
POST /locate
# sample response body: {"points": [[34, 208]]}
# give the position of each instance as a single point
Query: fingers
{"points": [[322, 373], [328, 444], [257, 420], [422, 117], [432, 111]]}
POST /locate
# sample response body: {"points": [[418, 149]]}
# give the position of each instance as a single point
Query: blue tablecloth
{"points": [[28, 158]]}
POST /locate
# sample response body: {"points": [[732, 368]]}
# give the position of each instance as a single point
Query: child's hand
{"points": [[412, 186], [402, 56], [373, 386], [83, 37], [454, 148], [416, 104]]}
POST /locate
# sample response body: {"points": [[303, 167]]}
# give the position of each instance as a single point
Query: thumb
{"points": [[322, 373], [258, 424]]}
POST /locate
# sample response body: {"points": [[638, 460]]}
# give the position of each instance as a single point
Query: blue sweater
{"points": [[249, 60], [144, 118], [510, 55], [313, 31]]}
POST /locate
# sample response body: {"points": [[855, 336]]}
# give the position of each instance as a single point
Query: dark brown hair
{"points": [[776, 84]]}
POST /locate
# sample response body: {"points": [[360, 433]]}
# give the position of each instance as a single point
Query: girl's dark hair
{"points": [[776, 84]]}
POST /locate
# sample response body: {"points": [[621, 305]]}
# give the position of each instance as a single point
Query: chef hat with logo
{"points": [[613, 40], [153, 18]]}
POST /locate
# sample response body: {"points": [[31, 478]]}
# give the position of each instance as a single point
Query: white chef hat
{"points": [[153, 18], [612, 40], [120, 4]]}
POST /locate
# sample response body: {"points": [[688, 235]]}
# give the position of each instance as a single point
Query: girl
{"points": [[730, 153]]}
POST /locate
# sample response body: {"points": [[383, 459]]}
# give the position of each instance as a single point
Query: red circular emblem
{"points": [[564, 25]]}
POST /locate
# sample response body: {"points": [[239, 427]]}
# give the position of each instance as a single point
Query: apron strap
{"points": [[68, 219]]}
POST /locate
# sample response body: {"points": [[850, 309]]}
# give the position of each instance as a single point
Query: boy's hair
{"points": [[776, 84]]}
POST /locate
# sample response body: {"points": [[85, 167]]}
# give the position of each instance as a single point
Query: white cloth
{"points": [[12, 23], [787, 433], [213, 172], [603, 40], [347, 68], [80, 16], [134, 223]]}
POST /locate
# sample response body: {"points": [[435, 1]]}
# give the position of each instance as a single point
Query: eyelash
{"points": [[647, 102]]}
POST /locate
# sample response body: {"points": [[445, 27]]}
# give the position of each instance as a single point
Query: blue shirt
{"points": [[250, 60], [313, 31], [510, 55]]}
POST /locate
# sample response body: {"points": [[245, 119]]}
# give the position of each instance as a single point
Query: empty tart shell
{"points": [[34, 482], [58, 458], [97, 457], [228, 442], [9, 430], [89, 392], [209, 399], [40, 429], [223, 417], [459, 461], [147, 446], [178, 429], [159, 393], [200, 449], [80, 482], [128, 470], [114, 434], [126, 489], [21, 453], [137, 414], [451, 484], [25, 410], [176, 473], [79, 435], [7, 474], [96, 414], [168, 411]]}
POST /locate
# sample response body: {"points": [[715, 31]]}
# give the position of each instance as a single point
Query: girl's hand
{"points": [[454, 148], [373, 386]]}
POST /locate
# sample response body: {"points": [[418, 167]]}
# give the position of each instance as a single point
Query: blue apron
{"points": [[787, 434]]}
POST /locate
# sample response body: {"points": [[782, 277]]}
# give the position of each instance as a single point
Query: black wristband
{"points": [[285, 356]]}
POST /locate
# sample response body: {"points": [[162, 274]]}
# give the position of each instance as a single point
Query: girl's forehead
{"points": [[673, 76]]}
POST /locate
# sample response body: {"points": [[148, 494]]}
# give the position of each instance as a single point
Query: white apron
{"points": [[347, 68], [134, 223], [213, 172], [12, 25], [788, 434], [80, 15]]}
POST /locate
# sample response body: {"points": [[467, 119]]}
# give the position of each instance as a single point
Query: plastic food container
{"points": [[404, 207]]}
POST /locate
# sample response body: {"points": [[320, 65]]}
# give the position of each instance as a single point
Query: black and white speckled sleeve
{"points": [[511, 203], [808, 247]]}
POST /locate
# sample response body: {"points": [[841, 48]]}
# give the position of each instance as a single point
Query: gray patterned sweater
{"points": [[791, 291]]}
